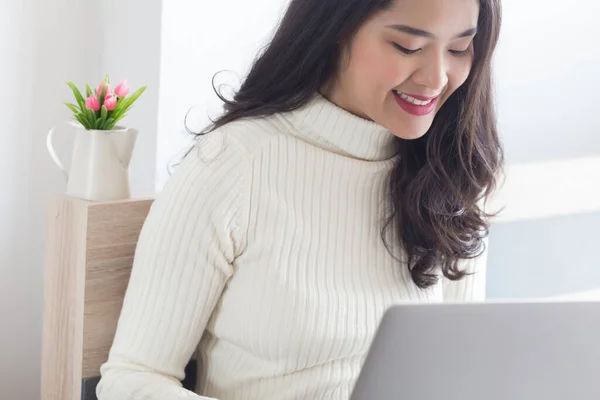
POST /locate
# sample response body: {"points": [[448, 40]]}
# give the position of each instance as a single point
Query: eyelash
{"points": [[460, 53], [404, 50], [409, 52]]}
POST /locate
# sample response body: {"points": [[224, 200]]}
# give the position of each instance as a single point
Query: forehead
{"points": [[443, 18]]}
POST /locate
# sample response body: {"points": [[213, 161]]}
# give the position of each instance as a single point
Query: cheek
{"points": [[375, 68], [459, 75], [394, 73]]}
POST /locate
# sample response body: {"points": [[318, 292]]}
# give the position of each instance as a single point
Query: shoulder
{"points": [[231, 151], [243, 138]]}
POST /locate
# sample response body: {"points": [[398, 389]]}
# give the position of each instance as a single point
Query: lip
{"points": [[414, 109]]}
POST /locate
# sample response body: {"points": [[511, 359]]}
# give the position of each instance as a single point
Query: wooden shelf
{"points": [[89, 252]]}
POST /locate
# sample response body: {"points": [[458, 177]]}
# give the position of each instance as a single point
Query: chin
{"points": [[409, 134], [404, 126]]}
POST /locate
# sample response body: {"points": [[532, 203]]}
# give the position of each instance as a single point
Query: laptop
{"points": [[484, 351]]}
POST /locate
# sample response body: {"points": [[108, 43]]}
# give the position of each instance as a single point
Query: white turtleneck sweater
{"points": [[263, 254]]}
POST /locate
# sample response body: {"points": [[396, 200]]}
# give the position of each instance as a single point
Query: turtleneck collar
{"points": [[331, 127]]}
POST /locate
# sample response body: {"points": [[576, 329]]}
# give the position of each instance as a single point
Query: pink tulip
{"points": [[110, 103], [122, 89], [99, 90], [92, 103]]}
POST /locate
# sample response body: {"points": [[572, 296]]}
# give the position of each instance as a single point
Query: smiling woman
{"points": [[412, 54], [346, 175], [350, 55]]}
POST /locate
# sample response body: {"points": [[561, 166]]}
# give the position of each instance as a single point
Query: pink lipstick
{"points": [[410, 103]]}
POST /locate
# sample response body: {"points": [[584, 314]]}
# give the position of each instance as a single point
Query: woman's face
{"points": [[405, 62]]}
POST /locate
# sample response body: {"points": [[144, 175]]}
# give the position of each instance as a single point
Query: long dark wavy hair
{"points": [[437, 186]]}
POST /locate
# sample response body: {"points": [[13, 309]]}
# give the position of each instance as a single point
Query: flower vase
{"points": [[100, 161]]}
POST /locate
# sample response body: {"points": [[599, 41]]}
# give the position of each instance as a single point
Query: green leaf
{"points": [[109, 124], [125, 103], [103, 116], [120, 105], [91, 117], [132, 98], [102, 95], [77, 94], [85, 121], [116, 114], [83, 117], [88, 124], [81, 120], [120, 118], [107, 79], [73, 108], [88, 90]]}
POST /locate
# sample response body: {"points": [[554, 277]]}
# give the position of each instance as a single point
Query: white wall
{"points": [[15, 156], [547, 79], [547, 66], [552, 188], [200, 38], [45, 44], [131, 50], [39, 58], [547, 74]]}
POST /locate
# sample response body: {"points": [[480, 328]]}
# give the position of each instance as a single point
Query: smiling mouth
{"points": [[421, 101], [415, 106]]}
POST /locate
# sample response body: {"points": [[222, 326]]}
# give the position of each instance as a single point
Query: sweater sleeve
{"points": [[195, 229]]}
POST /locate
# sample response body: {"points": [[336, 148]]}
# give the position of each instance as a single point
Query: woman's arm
{"points": [[195, 229]]}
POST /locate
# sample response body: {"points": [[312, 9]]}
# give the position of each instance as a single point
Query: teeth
{"points": [[412, 100]]}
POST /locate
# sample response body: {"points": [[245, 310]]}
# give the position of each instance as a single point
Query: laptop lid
{"points": [[484, 351]]}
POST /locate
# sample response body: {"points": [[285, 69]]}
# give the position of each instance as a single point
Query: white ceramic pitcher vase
{"points": [[99, 168]]}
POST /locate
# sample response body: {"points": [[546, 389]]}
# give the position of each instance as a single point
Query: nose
{"points": [[433, 73]]}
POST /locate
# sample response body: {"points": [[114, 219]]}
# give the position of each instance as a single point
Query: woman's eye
{"points": [[460, 52], [405, 50]]}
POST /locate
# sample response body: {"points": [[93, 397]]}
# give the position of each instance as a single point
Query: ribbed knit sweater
{"points": [[263, 256]]}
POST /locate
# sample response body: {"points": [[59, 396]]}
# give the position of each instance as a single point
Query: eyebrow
{"points": [[422, 33]]}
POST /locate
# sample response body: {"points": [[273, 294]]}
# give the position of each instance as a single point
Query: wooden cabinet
{"points": [[89, 253]]}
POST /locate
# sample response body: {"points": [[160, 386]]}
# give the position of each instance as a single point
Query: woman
{"points": [[346, 175]]}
